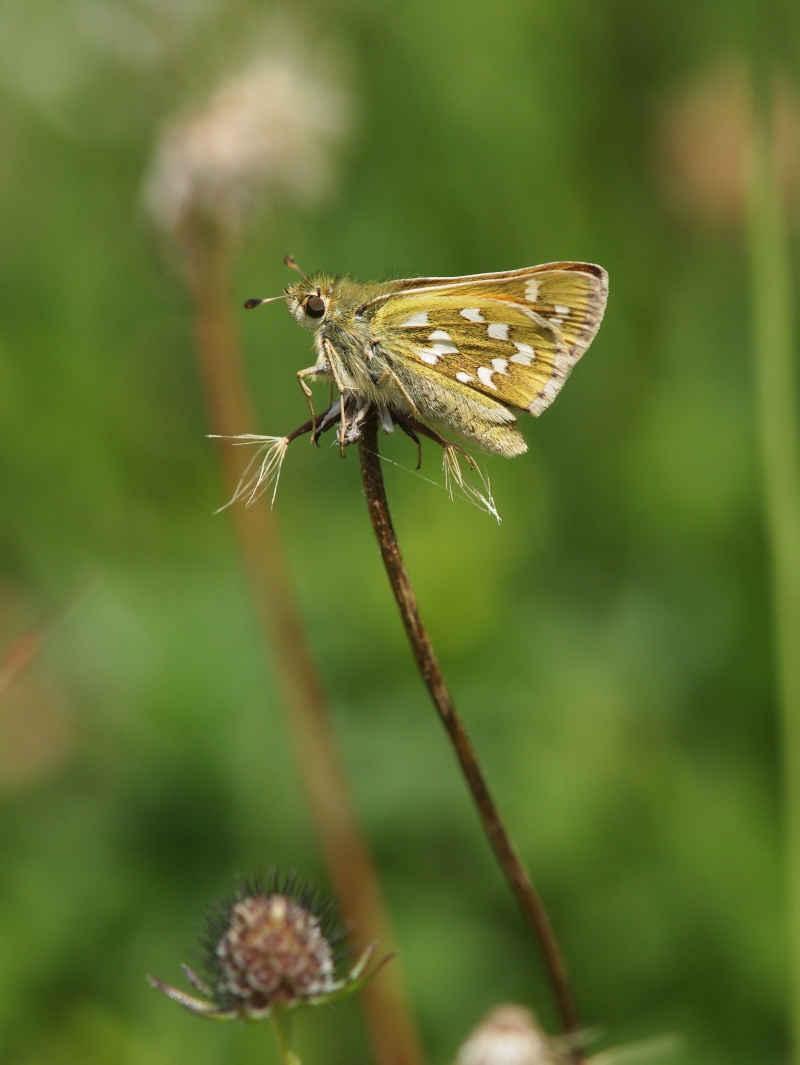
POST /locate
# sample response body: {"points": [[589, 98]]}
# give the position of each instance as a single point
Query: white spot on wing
{"points": [[500, 365], [562, 311], [498, 331], [531, 291], [439, 334], [415, 319], [525, 355], [472, 314], [464, 378], [432, 354], [485, 377]]}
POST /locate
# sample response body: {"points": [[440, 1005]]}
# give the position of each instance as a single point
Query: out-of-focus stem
{"points": [[351, 869], [24, 651], [774, 351], [282, 1027], [504, 851]]}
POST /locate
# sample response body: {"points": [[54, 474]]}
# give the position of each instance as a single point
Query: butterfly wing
{"points": [[512, 336]]}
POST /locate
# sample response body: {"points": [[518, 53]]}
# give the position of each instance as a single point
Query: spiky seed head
{"points": [[273, 953], [270, 947]]}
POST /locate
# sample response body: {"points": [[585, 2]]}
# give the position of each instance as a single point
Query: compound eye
{"points": [[314, 306]]}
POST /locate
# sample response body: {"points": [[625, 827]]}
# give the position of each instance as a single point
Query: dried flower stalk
{"points": [[422, 649], [264, 138]]}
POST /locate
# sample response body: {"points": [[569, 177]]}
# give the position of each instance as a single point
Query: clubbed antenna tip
{"points": [[255, 302]]}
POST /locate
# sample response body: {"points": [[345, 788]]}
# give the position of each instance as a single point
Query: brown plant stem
{"points": [[355, 883], [422, 649]]}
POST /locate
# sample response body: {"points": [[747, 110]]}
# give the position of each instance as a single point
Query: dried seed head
{"points": [[272, 954], [509, 1035], [266, 134]]}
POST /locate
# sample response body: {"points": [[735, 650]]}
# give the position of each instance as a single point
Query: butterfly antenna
{"points": [[289, 261], [250, 304]]}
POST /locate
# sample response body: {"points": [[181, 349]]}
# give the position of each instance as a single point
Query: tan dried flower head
{"points": [[267, 134], [509, 1035]]}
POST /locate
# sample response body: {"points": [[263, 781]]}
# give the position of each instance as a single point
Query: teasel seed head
{"points": [[268, 948], [273, 953]]}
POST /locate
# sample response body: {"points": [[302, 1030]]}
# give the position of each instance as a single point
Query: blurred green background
{"points": [[609, 644]]}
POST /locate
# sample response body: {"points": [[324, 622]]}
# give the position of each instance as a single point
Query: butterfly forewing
{"points": [[512, 336]]}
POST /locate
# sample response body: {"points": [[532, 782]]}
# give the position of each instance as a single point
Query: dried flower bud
{"points": [[267, 133], [509, 1035], [266, 949]]}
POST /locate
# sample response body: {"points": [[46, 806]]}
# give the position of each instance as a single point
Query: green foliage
{"points": [[608, 644]]}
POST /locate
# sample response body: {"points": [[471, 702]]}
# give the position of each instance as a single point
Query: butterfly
{"points": [[459, 354]]}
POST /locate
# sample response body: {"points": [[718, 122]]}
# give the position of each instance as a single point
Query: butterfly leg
{"points": [[311, 371], [409, 431], [413, 427], [328, 366], [342, 425], [480, 494]]}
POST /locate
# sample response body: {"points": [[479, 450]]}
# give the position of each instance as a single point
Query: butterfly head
{"points": [[309, 301]]}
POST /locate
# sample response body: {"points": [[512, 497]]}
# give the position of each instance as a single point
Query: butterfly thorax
{"points": [[347, 345]]}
